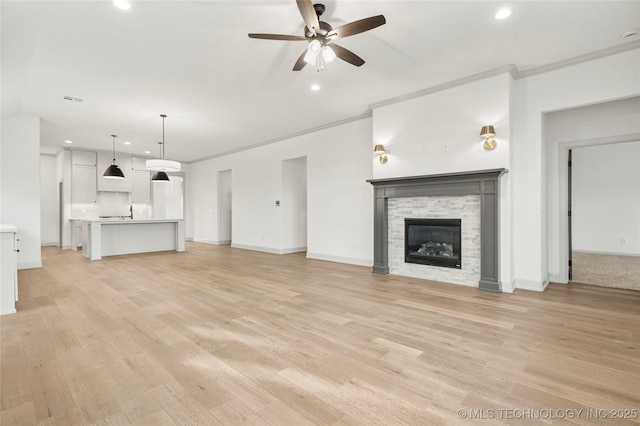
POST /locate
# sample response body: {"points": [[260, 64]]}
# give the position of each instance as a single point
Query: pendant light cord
{"points": [[114, 149], [163, 117]]}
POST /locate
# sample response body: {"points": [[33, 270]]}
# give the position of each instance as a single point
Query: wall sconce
{"points": [[382, 157], [488, 133]]}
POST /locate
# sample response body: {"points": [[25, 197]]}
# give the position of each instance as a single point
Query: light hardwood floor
{"points": [[225, 336]]}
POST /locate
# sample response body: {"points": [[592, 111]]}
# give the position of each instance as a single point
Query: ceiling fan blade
{"points": [[357, 27], [347, 55], [308, 14], [300, 63], [278, 37]]}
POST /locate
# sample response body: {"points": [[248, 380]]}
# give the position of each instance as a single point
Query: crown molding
{"points": [[512, 69], [613, 50], [367, 114]]}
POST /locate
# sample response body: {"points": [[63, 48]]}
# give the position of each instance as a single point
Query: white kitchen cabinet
{"points": [[114, 185], [83, 184], [83, 158], [9, 270], [139, 163], [141, 191], [76, 234]]}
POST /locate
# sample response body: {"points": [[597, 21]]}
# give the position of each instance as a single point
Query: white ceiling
{"points": [[223, 91]]}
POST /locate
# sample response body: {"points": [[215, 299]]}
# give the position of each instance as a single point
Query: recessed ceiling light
{"points": [[147, 152], [122, 4], [503, 13], [315, 87], [127, 143], [68, 141]]}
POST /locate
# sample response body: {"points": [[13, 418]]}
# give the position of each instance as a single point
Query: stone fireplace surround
{"points": [[484, 183]]}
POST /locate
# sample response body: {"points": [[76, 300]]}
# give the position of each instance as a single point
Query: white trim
{"points": [[51, 244], [608, 253], [256, 248], [507, 287], [294, 250], [29, 265], [613, 50], [367, 114], [530, 285], [448, 85], [510, 68], [340, 259], [212, 242]]}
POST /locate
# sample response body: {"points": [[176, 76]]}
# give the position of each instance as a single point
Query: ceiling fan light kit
{"points": [[320, 36]]}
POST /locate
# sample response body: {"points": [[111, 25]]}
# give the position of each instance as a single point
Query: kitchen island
{"points": [[112, 237]]}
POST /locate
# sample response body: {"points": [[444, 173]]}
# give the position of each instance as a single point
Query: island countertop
{"points": [[108, 220], [117, 236]]}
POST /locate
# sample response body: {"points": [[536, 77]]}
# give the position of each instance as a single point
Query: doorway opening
{"points": [[294, 205], [604, 207], [225, 207]]}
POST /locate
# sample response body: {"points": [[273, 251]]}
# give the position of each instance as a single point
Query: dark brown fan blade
{"points": [[300, 63], [358, 27], [347, 55], [278, 37], [308, 14]]}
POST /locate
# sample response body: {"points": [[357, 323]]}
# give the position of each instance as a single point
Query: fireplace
{"points": [[435, 242], [485, 184]]}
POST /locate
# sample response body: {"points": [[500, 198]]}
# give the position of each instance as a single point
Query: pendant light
{"points": [[160, 176], [160, 164], [113, 171]]}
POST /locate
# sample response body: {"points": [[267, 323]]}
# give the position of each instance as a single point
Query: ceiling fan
{"points": [[320, 36]]}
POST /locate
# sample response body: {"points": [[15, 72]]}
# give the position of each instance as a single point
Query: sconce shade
{"points": [[162, 165], [487, 132], [378, 149], [160, 177]]}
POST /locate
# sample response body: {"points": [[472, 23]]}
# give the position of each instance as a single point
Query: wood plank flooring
{"points": [[217, 335]]}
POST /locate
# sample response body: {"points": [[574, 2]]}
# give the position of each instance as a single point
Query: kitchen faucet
{"points": [[131, 210]]}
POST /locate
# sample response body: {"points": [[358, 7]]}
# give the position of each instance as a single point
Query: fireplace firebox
{"points": [[435, 242]]}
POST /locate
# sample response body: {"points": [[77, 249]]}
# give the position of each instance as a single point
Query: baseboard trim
{"points": [[29, 265], [607, 253], [341, 259], [51, 244], [294, 250], [556, 278], [212, 242], [530, 285], [256, 248]]}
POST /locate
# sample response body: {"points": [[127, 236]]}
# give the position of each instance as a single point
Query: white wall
{"points": [[439, 133], [49, 208], [606, 198], [594, 124], [535, 166], [339, 200], [294, 205], [20, 184]]}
